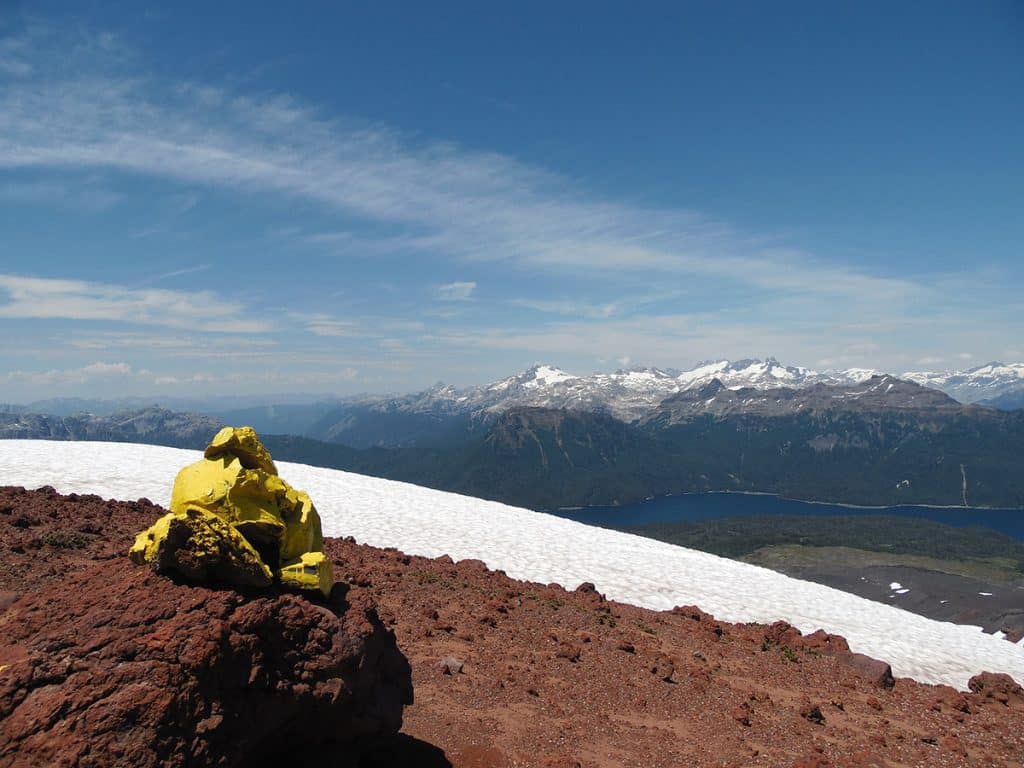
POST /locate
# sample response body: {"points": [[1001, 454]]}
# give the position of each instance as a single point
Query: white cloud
{"points": [[433, 197], [82, 375], [179, 273], [721, 291], [327, 326], [89, 195], [457, 291], [46, 298]]}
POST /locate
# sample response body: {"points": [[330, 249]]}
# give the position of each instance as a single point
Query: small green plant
{"points": [[787, 653], [66, 539]]}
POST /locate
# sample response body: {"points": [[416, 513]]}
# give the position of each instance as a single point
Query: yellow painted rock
{"points": [[237, 483], [242, 443], [203, 548]]}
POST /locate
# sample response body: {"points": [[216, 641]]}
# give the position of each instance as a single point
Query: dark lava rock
{"points": [[118, 666], [812, 713]]}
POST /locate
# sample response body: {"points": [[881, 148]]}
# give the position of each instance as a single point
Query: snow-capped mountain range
{"points": [[985, 383], [631, 393], [626, 394]]}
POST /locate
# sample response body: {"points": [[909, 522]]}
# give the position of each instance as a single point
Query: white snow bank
{"points": [[544, 548]]}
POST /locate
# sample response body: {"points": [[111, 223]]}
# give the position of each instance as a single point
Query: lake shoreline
{"points": [[723, 505], [650, 500]]}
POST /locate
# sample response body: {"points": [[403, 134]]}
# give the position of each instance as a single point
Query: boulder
{"points": [[233, 499], [120, 666], [997, 686], [876, 672], [204, 549]]}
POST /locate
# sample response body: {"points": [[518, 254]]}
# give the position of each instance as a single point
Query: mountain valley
{"points": [[546, 439]]}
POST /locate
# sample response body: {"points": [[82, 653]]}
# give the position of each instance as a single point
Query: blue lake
{"points": [[708, 506]]}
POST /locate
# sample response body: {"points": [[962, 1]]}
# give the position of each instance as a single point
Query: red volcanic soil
{"points": [[510, 673]]}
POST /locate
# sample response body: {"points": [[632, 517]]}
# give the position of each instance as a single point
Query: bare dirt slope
{"points": [[509, 673]]}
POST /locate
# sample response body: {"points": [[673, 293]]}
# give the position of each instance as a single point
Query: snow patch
{"points": [[544, 548]]}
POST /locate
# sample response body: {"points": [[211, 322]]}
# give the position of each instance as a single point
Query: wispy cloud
{"points": [[567, 307], [610, 279], [325, 325], [433, 197], [179, 273], [592, 310], [89, 195], [44, 298], [458, 291], [81, 375], [173, 344]]}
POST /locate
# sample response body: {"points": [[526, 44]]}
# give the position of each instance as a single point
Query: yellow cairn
{"points": [[236, 483]]}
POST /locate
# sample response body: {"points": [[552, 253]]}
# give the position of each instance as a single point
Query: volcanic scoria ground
{"points": [[512, 673]]}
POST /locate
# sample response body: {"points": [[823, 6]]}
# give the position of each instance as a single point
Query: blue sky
{"points": [[356, 197]]}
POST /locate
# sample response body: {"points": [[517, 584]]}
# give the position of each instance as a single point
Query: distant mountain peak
{"points": [[980, 384], [545, 372]]}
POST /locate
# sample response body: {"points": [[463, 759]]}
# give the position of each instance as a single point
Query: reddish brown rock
{"points": [[741, 713], [518, 704], [569, 650], [821, 641], [997, 687], [44, 535], [119, 666], [783, 633], [876, 672]]}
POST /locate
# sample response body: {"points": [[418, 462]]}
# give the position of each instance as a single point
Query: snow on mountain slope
{"points": [[985, 382], [545, 375], [543, 548], [632, 393], [625, 394]]}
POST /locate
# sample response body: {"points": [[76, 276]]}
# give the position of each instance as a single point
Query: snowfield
{"points": [[543, 548]]}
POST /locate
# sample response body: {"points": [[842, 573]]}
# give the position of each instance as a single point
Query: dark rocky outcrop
{"points": [[118, 666]]}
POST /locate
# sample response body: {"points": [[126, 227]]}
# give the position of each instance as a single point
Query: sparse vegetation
{"points": [[978, 551], [66, 539]]}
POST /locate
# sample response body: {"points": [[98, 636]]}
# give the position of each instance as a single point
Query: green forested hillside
{"points": [[545, 458]]}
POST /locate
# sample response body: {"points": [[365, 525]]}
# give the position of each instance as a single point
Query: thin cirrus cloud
{"points": [[666, 286], [434, 197], [46, 298], [457, 291], [80, 375]]}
